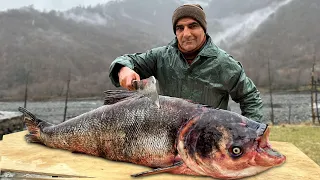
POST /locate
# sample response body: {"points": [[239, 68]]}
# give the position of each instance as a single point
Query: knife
{"points": [[148, 87]]}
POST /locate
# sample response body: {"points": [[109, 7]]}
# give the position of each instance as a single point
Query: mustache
{"points": [[188, 40]]}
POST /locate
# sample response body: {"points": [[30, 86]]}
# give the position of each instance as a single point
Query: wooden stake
{"points": [[270, 90], [26, 91], [67, 95]]}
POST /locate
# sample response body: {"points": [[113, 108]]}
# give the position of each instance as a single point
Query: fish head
{"points": [[223, 144]]}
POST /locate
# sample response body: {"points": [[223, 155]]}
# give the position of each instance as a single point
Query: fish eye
{"points": [[235, 151]]}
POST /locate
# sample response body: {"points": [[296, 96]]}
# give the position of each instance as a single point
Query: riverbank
{"points": [[294, 108], [305, 137], [10, 122], [75, 97]]}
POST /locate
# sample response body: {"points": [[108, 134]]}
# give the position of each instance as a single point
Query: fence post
{"points": [[312, 92], [270, 90], [26, 90], [316, 100], [289, 118], [67, 95]]}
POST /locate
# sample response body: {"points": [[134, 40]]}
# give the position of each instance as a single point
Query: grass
{"points": [[305, 137]]}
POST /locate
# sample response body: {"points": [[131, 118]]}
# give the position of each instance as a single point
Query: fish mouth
{"points": [[266, 155]]}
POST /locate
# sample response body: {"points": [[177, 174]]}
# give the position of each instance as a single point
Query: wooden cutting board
{"points": [[19, 156]]}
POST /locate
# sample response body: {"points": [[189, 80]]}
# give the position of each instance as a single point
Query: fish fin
{"points": [[32, 138], [31, 125], [25, 111], [34, 131], [33, 119], [34, 126], [77, 152], [114, 96], [159, 170]]}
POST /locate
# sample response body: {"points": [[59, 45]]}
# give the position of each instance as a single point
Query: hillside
{"points": [[290, 39], [48, 46], [87, 39]]}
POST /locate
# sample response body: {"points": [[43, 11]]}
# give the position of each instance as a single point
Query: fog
{"points": [[239, 27], [67, 4], [49, 4]]}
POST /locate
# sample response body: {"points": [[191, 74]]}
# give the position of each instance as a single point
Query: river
{"points": [[52, 111]]}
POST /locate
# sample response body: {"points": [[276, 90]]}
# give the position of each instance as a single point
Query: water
{"points": [[300, 104], [52, 111]]}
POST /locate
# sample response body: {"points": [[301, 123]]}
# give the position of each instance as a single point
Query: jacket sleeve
{"points": [[243, 91], [142, 63]]}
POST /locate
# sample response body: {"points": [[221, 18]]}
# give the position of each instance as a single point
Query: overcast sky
{"points": [[48, 4]]}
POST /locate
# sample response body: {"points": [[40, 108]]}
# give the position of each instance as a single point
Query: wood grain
{"points": [[19, 156]]}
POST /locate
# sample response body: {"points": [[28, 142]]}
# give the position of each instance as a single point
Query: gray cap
{"points": [[194, 11]]}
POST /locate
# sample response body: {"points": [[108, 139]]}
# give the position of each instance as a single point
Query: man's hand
{"points": [[126, 76]]}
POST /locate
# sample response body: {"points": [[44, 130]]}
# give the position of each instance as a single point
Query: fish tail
{"points": [[34, 131], [33, 125]]}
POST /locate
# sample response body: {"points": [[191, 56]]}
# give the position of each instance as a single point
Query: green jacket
{"points": [[209, 80]]}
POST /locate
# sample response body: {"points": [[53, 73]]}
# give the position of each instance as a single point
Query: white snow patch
{"points": [[239, 27]]}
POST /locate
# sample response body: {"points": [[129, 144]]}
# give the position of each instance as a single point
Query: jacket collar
{"points": [[209, 49]]}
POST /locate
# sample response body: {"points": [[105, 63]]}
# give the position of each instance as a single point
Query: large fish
{"points": [[179, 137]]}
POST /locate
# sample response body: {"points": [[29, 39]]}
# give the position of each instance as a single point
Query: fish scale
{"points": [[178, 136], [145, 139]]}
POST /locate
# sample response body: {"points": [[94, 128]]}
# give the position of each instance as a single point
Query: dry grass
{"points": [[305, 137]]}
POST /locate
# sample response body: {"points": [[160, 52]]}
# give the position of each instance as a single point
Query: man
{"points": [[191, 67]]}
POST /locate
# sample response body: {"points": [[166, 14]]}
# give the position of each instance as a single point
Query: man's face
{"points": [[189, 33]]}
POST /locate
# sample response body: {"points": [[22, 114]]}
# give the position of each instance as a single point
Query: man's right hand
{"points": [[126, 76]]}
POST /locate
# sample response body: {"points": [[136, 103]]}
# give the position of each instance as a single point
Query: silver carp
{"points": [[179, 137]]}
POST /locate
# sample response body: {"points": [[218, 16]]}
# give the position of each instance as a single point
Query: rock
{"points": [[10, 122]]}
